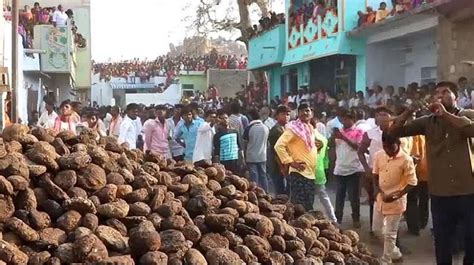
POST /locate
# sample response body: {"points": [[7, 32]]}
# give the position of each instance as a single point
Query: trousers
{"points": [[348, 184], [325, 201], [388, 225], [417, 207], [258, 174], [447, 214]]}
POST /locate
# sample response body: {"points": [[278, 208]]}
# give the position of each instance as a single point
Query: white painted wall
{"points": [[388, 63], [424, 54]]}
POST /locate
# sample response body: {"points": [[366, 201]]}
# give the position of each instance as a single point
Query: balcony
{"points": [[268, 48], [59, 55], [322, 35]]}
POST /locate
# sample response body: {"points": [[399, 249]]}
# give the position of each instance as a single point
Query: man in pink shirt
{"points": [[156, 133]]}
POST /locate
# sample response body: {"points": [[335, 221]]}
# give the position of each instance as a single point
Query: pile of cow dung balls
{"points": [[86, 199]]}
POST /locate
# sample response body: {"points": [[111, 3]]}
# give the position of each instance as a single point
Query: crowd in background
{"points": [[266, 23], [30, 17], [399, 7], [295, 144], [167, 65]]}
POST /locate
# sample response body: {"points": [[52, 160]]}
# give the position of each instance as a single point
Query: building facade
{"points": [[312, 52], [424, 45]]}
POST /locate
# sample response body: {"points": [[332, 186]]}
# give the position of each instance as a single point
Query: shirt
{"points": [[331, 125], [99, 127], [156, 137], [128, 132], [347, 160], [270, 122], [449, 152], [363, 125], [176, 148], [238, 123], [114, 126], [419, 151], [395, 174], [46, 118], [320, 177], [256, 138], [203, 148], [226, 144], [273, 137], [60, 18], [381, 14], [291, 148], [188, 133], [375, 137]]}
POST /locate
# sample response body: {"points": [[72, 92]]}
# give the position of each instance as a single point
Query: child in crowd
{"points": [[394, 173]]}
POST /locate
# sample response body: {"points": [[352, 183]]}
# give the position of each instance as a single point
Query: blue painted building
{"points": [[312, 51]]}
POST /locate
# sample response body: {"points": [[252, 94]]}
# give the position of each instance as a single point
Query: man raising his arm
{"points": [[448, 131]]}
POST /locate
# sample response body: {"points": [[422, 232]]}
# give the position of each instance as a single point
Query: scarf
{"points": [[303, 131], [57, 124]]}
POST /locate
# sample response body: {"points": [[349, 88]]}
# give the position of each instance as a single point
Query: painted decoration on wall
{"points": [[57, 47], [330, 23], [311, 31], [308, 23], [294, 39]]}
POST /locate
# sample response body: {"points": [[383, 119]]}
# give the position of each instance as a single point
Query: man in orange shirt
{"points": [[395, 175], [417, 206]]}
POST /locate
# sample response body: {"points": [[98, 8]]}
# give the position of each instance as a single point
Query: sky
{"points": [[141, 28]]}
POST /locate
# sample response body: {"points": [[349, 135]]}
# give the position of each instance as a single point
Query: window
{"points": [[188, 87], [428, 75]]}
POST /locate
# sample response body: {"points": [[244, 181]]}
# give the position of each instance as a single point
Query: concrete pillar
{"points": [[455, 40], [361, 65]]}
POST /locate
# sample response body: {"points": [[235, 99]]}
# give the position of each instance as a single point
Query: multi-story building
{"points": [[424, 44], [65, 66], [312, 51], [431, 42]]}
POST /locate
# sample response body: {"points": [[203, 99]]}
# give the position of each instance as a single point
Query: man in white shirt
{"points": [[205, 135], [48, 116], [60, 17], [348, 168], [129, 130], [334, 123], [177, 150]]}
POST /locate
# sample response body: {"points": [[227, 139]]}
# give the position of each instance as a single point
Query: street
{"points": [[421, 247]]}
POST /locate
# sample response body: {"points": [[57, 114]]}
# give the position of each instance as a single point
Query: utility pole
{"points": [[14, 84]]}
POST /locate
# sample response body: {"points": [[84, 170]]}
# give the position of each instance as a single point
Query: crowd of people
{"points": [[266, 23], [399, 7], [141, 70], [30, 17], [393, 145]]}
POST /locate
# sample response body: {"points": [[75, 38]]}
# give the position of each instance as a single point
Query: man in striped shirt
{"points": [[227, 145]]}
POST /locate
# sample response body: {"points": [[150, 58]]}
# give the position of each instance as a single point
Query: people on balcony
{"points": [[60, 17], [383, 13], [30, 17], [266, 23]]}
